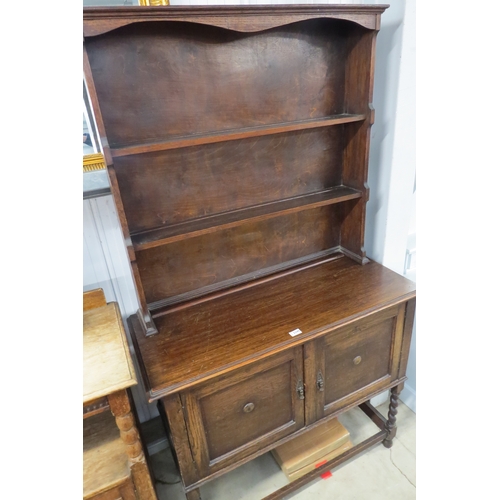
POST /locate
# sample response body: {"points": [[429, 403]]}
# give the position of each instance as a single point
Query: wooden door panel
{"points": [[357, 360], [232, 416], [248, 410]]}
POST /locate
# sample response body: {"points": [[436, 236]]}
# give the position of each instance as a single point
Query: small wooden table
{"points": [[114, 464]]}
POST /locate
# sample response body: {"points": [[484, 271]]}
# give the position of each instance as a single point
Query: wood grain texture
{"points": [[93, 299], [188, 265], [360, 358], [204, 79], [360, 67], [256, 321], [239, 144], [233, 285], [221, 430], [407, 334], [171, 408], [107, 364], [167, 188], [105, 462], [236, 134], [254, 18], [234, 218], [125, 491], [148, 79], [264, 449]]}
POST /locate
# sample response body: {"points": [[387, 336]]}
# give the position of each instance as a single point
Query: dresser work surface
{"points": [[237, 144], [259, 319]]}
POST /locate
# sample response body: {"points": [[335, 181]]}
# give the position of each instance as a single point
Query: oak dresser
{"points": [[237, 145]]}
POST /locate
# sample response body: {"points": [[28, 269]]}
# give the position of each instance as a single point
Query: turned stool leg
{"points": [[390, 426], [120, 407]]}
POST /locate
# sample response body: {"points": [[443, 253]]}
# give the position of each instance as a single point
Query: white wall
{"points": [[390, 211], [391, 216], [106, 266]]}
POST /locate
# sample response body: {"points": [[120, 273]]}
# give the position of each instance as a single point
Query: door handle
{"points": [[300, 389], [320, 382]]}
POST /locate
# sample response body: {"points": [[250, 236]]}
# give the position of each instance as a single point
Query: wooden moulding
{"points": [[238, 18]]}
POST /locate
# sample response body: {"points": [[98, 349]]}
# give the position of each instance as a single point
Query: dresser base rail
{"points": [[376, 417]]}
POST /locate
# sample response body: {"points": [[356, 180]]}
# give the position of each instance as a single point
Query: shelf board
{"points": [[235, 134], [217, 222], [105, 459], [255, 278]]}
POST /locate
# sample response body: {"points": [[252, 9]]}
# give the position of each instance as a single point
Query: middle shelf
{"points": [[236, 134], [188, 229]]}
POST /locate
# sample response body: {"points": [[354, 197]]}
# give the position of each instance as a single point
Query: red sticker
{"points": [[326, 475]]}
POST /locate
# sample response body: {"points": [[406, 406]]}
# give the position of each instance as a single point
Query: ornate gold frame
{"points": [[93, 162], [154, 2]]}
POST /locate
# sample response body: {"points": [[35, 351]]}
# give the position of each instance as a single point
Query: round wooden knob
{"points": [[357, 360], [248, 407]]}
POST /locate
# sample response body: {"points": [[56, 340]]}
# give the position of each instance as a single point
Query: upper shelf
{"points": [[197, 227], [235, 134]]}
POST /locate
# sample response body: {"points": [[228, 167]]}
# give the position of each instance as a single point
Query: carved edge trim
{"points": [[246, 19]]}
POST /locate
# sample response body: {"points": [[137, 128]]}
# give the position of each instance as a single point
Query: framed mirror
{"points": [[95, 177]]}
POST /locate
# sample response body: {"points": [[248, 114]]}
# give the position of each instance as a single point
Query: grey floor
{"points": [[378, 474]]}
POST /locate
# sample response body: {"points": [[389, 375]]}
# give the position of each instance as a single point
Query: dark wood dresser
{"points": [[236, 141]]}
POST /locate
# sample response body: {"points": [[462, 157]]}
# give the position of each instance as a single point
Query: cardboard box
{"points": [[318, 463], [311, 446]]}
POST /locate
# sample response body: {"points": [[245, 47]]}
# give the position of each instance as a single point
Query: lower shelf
{"points": [[105, 461], [262, 477]]}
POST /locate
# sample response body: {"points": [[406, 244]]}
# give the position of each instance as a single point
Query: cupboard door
{"points": [[354, 361], [235, 415]]}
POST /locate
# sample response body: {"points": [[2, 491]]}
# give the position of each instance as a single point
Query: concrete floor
{"points": [[378, 474]]}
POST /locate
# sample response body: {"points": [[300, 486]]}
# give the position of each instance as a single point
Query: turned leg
{"points": [[120, 407], [193, 495], [390, 426]]}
